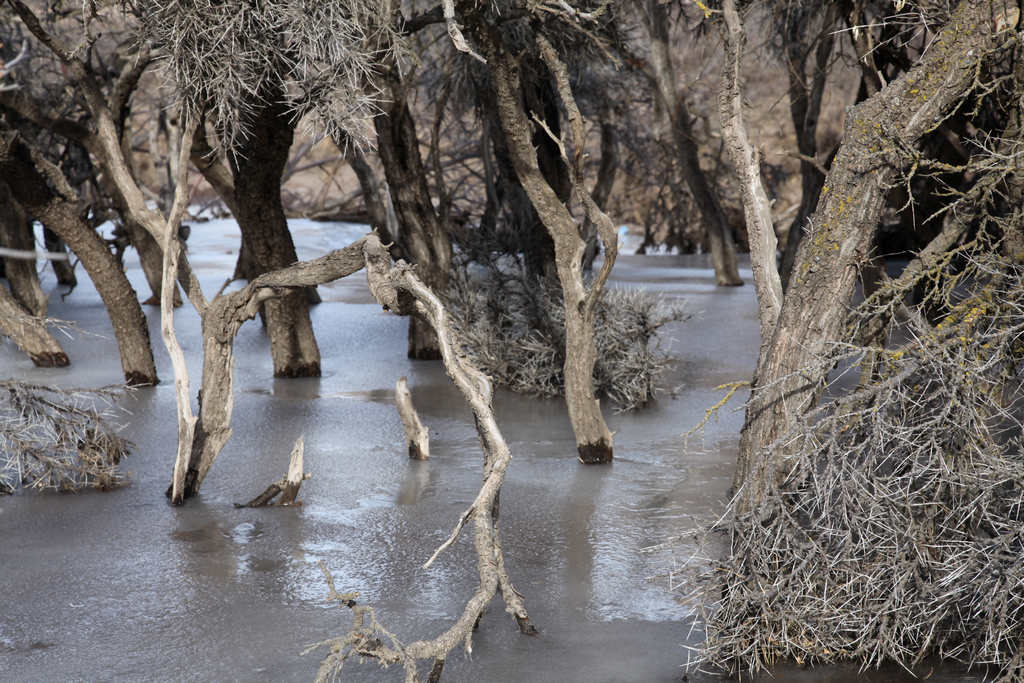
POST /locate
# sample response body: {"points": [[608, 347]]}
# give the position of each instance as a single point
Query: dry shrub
{"points": [[899, 532], [57, 439], [514, 331]]}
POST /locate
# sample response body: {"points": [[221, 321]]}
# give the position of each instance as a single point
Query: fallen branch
{"points": [[288, 487], [417, 436], [398, 288]]}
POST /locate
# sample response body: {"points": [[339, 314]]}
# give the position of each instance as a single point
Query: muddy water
{"points": [[121, 586]]}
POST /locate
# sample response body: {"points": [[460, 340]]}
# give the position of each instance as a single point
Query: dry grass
{"points": [[514, 330], [57, 439]]}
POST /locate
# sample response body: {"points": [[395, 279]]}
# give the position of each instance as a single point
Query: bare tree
{"points": [[662, 75], [593, 438], [882, 522], [879, 132]]}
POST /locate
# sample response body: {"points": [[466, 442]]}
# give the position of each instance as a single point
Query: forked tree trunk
{"points": [[42, 190], [422, 236], [723, 247], [593, 438], [877, 134], [222, 318], [257, 169]]}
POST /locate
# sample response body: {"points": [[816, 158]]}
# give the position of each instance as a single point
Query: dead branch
{"points": [[416, 435], [400, 284], [288, 486]]}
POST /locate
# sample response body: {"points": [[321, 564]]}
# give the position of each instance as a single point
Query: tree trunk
{"points": [[222, 319], [29, 333], [62, 269], [593, 439], [376, 195], [423, 238], [41, 189], [723, 248], [150, 258], [16, 233], [877, 133], [257, 169], [416, 435], [804, 109], [603, 187]]}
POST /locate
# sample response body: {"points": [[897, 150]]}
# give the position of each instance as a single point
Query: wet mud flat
{"points": [[121, 586]]}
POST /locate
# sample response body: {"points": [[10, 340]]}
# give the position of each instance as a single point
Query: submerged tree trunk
{"points": [[257, 169], [63, 269], [878, 133], [663, 76], [16, 233], [42, 190], [29, 333], [593, 438], [422, 235]]}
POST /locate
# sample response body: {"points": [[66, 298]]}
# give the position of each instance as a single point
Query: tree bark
{"points": [[663, 77], [41, 189], [16, 233], [593, 438], [423, 238], [805, 96], [416, 435], [257, 169], [62, 269], [877, 132], [29, 333]]}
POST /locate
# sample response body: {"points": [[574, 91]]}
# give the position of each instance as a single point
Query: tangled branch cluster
{"points": [[227, 58], [900, 530], [514, 331], [56, 439]]}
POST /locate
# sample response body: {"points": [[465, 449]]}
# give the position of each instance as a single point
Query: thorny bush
{"points": [[513, 328], [899, 532]]}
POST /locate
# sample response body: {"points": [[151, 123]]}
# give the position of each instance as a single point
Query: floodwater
{"points": [[120, 586]]}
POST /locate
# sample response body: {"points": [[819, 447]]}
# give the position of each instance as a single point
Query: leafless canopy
{"points": [[226, 57]]}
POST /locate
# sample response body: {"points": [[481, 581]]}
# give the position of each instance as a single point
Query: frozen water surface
{"points": [[120, 586]]}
